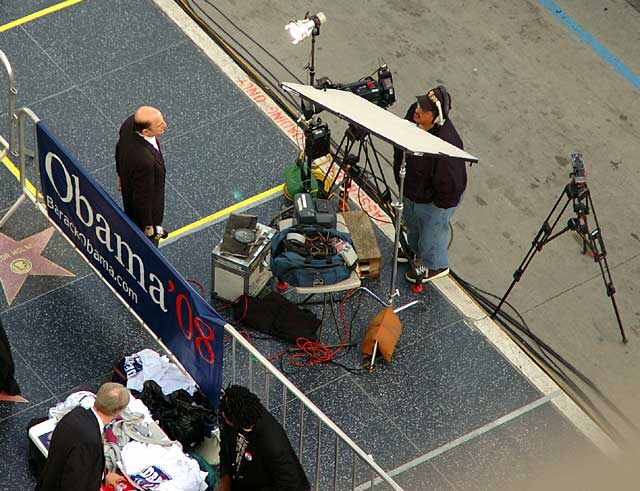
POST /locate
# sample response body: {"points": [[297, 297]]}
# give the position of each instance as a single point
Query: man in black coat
{"points": [[76, 457], [255, 453], [432, 191], [141, 170]]}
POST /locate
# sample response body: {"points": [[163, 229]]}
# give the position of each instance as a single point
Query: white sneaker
{"points": [[418, 270]]}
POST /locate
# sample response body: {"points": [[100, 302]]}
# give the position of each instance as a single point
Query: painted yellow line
{"points": [[38, 14], [225, 211], [176, 233], [16, 173]]}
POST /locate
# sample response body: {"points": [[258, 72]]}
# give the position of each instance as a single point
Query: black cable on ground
{"points": [[255, 61], [249, 68], [284, 99], [289, 104], [262, 48], [553, 359]]}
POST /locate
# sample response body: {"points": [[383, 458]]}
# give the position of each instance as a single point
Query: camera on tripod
{"points": [[579, 174], [380, 91]]}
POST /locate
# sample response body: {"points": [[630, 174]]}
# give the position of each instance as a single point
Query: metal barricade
{"points": [[328, 475], [334, 469], [27, 189], [11, 98]]}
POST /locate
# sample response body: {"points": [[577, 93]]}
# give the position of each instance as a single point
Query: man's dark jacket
{"points": [[7, 368], [142, 173], [76, 458], [268, 463], [437, 180]]}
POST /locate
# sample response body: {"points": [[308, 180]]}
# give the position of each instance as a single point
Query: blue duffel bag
{"points": [[304, 266]]}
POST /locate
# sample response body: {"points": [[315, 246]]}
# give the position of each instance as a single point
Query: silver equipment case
{"points": [[232, 276]]}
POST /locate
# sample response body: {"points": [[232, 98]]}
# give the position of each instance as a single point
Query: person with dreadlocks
{"points": [[255, 453]]}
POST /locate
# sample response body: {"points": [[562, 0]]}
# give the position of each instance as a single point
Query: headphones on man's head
{"points": [[443, 103]]}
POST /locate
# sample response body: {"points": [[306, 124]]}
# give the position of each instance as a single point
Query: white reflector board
{"points": [[366, 115]]}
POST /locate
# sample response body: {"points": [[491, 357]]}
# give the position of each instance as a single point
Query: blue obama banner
{"points": [[131, 265]]}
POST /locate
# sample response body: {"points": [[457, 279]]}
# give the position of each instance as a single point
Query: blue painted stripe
{"points": [[588, 39]]}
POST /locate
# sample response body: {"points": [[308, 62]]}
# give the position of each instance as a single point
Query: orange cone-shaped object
{"points": [[385, 328]]}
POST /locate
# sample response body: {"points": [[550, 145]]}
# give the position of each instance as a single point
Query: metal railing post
{"points": [[5, 148], [335, 464], [233, 360], [284, 406], [301, 432], [305, 402], [21, 114], [318, 435], [12, 92], [353, 470]]}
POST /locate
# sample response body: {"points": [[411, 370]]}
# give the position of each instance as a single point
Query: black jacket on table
{"points": [[261, 459], [142, 173], [429, 179], [76, 458]]}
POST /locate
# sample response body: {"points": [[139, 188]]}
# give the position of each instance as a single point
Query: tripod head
{"points": [[577, 189]]}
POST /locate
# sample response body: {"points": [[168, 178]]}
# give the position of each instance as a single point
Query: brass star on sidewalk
{"points": [[21, 258]]}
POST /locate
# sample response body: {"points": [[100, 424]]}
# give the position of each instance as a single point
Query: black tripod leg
{"points": [[336, 157], [541, 238], [368, 142], [596, 243]]}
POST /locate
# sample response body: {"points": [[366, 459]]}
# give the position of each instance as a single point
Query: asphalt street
{"points": [[531, 82]]}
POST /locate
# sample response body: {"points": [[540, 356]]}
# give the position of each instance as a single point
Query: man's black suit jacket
{"points": [[142, 173], [76, 457]]}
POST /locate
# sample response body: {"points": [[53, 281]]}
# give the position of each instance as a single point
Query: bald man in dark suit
{"points": [[76, 456], [140, 168]]}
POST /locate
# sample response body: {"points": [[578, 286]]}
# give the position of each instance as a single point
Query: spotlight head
{"points": [[302, 29]]}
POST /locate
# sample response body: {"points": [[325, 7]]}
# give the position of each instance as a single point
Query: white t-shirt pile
{"points": [[157, 468], [149, 365], [82, 398]]}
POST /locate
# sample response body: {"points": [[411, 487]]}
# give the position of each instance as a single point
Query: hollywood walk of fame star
{"points": [[21, 258]]}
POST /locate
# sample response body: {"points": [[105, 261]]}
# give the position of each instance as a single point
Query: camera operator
{"points": [[433, 189]]}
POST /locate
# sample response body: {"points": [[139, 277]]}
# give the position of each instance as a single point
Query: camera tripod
{"points": [[372, 183], [579, 195]]}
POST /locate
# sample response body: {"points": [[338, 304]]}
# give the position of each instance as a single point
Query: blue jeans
{"points": [[428, 232]]}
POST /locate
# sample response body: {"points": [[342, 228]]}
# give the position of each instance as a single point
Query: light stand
{"points": [[312, 60], [302, 29], [372, 119], [347, 163], [382, 196], [387, 317], [298, 31], [576, 192]]}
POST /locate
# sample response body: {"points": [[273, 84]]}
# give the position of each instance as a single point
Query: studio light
{"points": [[302, 29]]}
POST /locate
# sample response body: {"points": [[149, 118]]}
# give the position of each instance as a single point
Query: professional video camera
{"points": [[379, 92]]}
